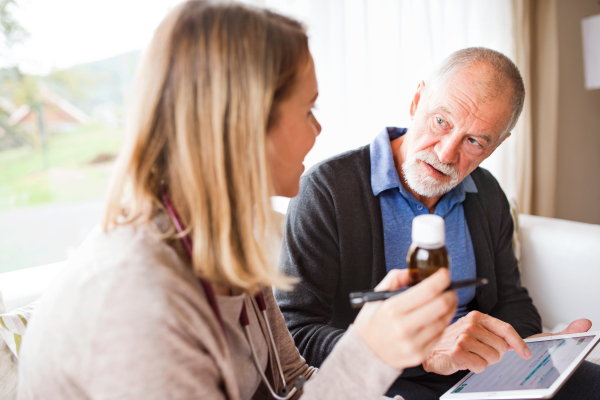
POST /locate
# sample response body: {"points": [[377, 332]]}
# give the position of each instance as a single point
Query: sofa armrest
{"points": [[560, 266], [24, 286]]}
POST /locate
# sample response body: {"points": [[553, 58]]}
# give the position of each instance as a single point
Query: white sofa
{"points": [[560, 265], [24, 286]]}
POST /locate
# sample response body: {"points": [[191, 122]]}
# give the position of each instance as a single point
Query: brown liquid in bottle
{"points": [[423, 262], [427, 253]]}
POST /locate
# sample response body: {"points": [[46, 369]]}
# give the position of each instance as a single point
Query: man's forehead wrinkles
{"points": [[470, 106], [467, 101]]}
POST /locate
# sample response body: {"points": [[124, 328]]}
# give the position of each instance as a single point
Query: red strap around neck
{"points": [[187, 244]]}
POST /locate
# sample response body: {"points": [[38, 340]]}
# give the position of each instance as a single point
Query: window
{"points": [[66, 75], [66, 87]]}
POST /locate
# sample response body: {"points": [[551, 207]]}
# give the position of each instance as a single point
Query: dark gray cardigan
{"points": [[333, 241]]}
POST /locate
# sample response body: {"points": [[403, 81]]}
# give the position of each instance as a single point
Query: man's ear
{"points": [[416, 99]]}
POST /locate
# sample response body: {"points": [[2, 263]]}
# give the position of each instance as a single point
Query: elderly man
{"points": [[351, 223]]}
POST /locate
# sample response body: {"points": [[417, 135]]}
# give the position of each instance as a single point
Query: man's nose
{"points": [[447, 149]]}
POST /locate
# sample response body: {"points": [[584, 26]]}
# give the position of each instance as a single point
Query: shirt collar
{"points": [[383, 171], [456, 195], [469, 184]]}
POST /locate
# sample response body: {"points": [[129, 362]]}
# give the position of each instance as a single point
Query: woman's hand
{"points": [[403, 329]]}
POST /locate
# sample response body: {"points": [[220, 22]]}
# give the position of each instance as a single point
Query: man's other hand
{"points": [[474, 342], [577, 326]]}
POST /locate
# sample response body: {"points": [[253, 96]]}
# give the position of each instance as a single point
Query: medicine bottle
{"points": [[428, 252]]}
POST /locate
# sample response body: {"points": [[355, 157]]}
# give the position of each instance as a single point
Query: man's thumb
{"points": [[578, 326]]}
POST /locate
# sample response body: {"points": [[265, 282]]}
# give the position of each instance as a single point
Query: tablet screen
{"points": [[550, 358]]}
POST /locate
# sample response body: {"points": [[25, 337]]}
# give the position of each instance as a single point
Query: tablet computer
{"points": [[554, 359]]}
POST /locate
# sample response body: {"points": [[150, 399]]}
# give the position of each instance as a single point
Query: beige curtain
{"points": [[522, 21], [545, 107], [536, 53]]}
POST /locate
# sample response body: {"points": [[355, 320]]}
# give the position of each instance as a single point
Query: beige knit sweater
{"points": [[127, 319]]}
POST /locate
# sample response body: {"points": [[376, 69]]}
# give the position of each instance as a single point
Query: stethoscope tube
{"points": [[263, 309], [285, 392]]}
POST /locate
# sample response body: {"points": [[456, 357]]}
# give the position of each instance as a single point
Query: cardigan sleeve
{"points": [[491, 227], [514, 305], [310, 251]]}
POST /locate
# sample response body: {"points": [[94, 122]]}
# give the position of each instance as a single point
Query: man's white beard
{"points": [[424, 184]]}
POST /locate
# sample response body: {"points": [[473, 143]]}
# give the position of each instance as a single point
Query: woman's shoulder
{"points": [[123, 282], [108, 262], [124, 308]]}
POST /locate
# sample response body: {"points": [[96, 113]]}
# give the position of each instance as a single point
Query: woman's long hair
{"points": [[206, 92]]}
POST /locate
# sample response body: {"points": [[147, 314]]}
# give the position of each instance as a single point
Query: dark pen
{"points": [[358, 299]]}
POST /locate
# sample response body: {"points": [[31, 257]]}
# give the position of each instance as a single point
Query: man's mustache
{"points": [[432, 160]]}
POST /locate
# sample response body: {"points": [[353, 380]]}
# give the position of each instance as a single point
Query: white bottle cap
{"points": [[428, 231]]}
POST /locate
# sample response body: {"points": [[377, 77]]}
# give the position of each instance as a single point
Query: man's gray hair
{"points": [[505, 75]]}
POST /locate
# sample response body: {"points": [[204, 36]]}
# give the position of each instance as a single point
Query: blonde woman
{"points": [[172, 298]]}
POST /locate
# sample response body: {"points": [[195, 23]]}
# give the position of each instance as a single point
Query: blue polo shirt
{"points": [[399, 207]]}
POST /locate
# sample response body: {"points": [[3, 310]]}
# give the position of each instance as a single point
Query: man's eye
{"points": [[473, 141], [440, 121]]}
